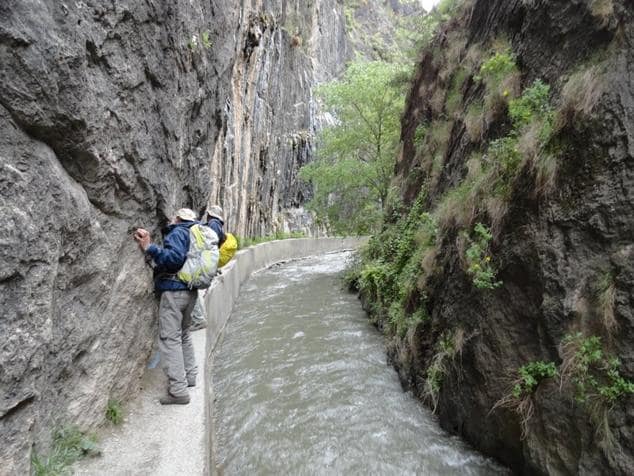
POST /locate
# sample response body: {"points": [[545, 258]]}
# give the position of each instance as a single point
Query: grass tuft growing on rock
{"points": [[581, 94], [474, 121], [447, 348], [603, 10], [520, 397], [490, 180], [605, 297], [595, 378], [479, 260], [69, 445], [114, 412]]}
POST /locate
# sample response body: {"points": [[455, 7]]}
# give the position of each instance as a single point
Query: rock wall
{"points": [[269, 116], [552, 249], [112, 115]]}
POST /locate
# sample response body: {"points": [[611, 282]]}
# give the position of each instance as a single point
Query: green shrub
{"points": [[204, 39], [376, 280], [534, 103], [114, 412], [595, 374], [69, 445], [391, 268], [504, 154], [596, 380], [532, 109], [494, 70], [479, 259], [530, 375], [519, 399]]}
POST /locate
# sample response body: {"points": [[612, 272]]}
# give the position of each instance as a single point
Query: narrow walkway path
{"points": [[155, 440]]}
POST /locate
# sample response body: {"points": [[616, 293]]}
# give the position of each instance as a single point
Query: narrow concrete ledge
{"points": [[221, 297]]}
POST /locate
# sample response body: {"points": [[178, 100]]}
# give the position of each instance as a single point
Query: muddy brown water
{"points": [[302, 386]]}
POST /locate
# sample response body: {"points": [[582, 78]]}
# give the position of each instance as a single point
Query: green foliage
{"points": [[479, 259], [391, 268], [204, 39], [533, 104], [377, 280], [595, 374], [114, 412], [199, 40], [504, 161], [448, 8], [532, 117], [530, 375], [445, 352], [494, 70], [356, 154], [245, 242], [69, 445]]}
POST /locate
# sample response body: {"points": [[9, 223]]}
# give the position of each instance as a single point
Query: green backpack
{"points": [[202, 258]]}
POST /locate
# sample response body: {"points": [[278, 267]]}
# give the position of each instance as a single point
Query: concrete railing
{"points": [[221, 297]]}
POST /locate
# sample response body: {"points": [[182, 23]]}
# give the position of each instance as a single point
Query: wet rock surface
{"points": [[552, 249]]}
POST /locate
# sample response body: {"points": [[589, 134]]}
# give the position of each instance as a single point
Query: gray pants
{"points": [[175, 343], [198, 314]]}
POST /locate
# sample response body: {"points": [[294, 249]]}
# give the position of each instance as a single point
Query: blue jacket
{"points": [[216, 225], [169, 260]]}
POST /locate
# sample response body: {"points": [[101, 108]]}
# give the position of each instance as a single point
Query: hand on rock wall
{"points": [[143, 238]]}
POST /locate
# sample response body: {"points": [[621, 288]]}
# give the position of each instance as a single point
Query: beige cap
{"points": [[186, 214], [215, 211]]}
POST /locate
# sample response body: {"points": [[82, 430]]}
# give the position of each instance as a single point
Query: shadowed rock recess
{"points": [[113, 114], [562, 234]]}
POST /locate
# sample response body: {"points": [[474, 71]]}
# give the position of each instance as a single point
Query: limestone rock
{"points": [[551, 248], [113, 115]]}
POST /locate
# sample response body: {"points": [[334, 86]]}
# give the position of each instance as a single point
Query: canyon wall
{"points": [[112, 116], [554, 188]]}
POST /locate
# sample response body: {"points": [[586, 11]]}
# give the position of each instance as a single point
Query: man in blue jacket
{"points": [[176, 304]]}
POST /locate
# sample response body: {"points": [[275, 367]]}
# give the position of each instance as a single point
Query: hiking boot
{"points": [[170, 399], [197, 325]]}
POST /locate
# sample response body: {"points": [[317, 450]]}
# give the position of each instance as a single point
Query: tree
{"points": [[356, 153]]}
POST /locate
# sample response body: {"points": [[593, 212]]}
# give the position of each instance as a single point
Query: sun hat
{"points": [[215, 211], [186, 214]]}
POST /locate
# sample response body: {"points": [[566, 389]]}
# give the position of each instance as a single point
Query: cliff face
{"points": [[269, 116], [562, 219], [111, 117]]}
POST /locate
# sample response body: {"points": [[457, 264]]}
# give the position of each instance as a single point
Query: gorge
{"points": [[114, 114]]}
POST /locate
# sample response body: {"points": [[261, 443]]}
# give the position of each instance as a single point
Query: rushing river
{"points": [[302, 387]]}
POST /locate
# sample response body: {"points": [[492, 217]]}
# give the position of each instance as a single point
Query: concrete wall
{"points": [[221, 296]]}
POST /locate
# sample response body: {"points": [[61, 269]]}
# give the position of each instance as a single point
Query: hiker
{"points": [[176, 304], [216, 223]]}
